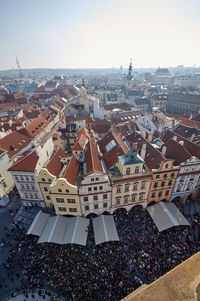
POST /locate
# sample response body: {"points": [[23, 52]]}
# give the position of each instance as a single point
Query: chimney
{"points": [[164, 149], [143, 151], [175, 138], [181, 142], [192, 137]]}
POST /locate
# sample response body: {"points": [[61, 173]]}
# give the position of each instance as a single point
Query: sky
{"points": [[99, 33]]}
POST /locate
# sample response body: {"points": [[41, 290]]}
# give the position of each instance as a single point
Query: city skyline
{"points": [[92, 34]]}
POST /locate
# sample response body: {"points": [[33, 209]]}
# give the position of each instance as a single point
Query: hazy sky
{"points": [[99, 33]]}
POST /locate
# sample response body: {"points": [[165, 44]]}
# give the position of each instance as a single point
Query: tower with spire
{"points": [[129, 76]]}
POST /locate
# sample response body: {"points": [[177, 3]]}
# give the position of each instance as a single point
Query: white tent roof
{"points": [[38, 224], [104, 229], [166, 215], [59, 229], [76, 231]]}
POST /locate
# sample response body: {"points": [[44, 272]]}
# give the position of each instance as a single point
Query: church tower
{"points": [[129, 76]]}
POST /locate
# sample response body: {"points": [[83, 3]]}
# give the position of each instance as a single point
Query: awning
{"points": [[76, 231], [166, 215], [104, 229], [38, 224], [61, 230]]}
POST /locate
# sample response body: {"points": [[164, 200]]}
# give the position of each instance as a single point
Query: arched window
{"points": [[128, 171], [137, 169]]}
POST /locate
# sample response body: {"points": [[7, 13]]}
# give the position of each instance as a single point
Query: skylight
{"points": [[110, 145]]}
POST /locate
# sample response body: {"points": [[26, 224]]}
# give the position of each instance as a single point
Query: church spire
{"points": [[130, 70]]}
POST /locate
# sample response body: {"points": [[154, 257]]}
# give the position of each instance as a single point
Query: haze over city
{"points": [[102, 34]]}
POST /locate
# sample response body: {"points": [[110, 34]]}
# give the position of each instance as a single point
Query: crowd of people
{"points": [[109, 271]]}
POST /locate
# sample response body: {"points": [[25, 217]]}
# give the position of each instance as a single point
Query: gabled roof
{"points": [[187, 131], [14, 143], [191, 147], [72, 171], [176, 151], [111, 146], [36, 126], [54, 166], [153, 157], [93, 162], [84, 132], [80, 143], [27, 163]]}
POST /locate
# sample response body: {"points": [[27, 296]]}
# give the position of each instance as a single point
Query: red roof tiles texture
{"points": [[27, 163]]}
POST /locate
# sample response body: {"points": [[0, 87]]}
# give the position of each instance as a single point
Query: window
{"points": [[45, 189], [67, 190], [49, 180], [170, 183], [63, 209], [43, 179], [135, 186], [95, 197], [172, 175], [89, 189], [160, 194], [125, 199], [31, 195], [119, 189], [105, 205], [59, 190], [92, 179], [128, 171], [27, 178], [133, 197], [60, 200], [137, 169], [166, 165], [85, 198], [95, 188], [96, 206], [157, 176], [22, 186], [141, 197], [143, 185], [16, 178], [26, 195], [165, 176], [86, 208], [155, 185], [27, 187], [105, 196], [126, 188], [163, 184], [118, 201], [72, 210], [48, 197], [33, 180], [35, 195], [153, 195], [97, 179], [21, 178], [167, 192], [100, 187], [71, 201]]}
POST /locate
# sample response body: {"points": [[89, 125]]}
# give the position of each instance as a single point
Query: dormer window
{"points": [[137, 169]]}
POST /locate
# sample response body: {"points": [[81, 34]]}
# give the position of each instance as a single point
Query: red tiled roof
{"points": [[72, 171], [10, 106], [36, 126], [111, 157], [191, 147], [80, 143], [27, 163], [92, 159], [187, 131], [14, 142], [176, 151], [54, 166], [153, 157], [84, 132]]}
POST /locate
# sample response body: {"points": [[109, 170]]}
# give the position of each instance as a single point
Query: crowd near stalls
{"points": [[108, 271]]}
